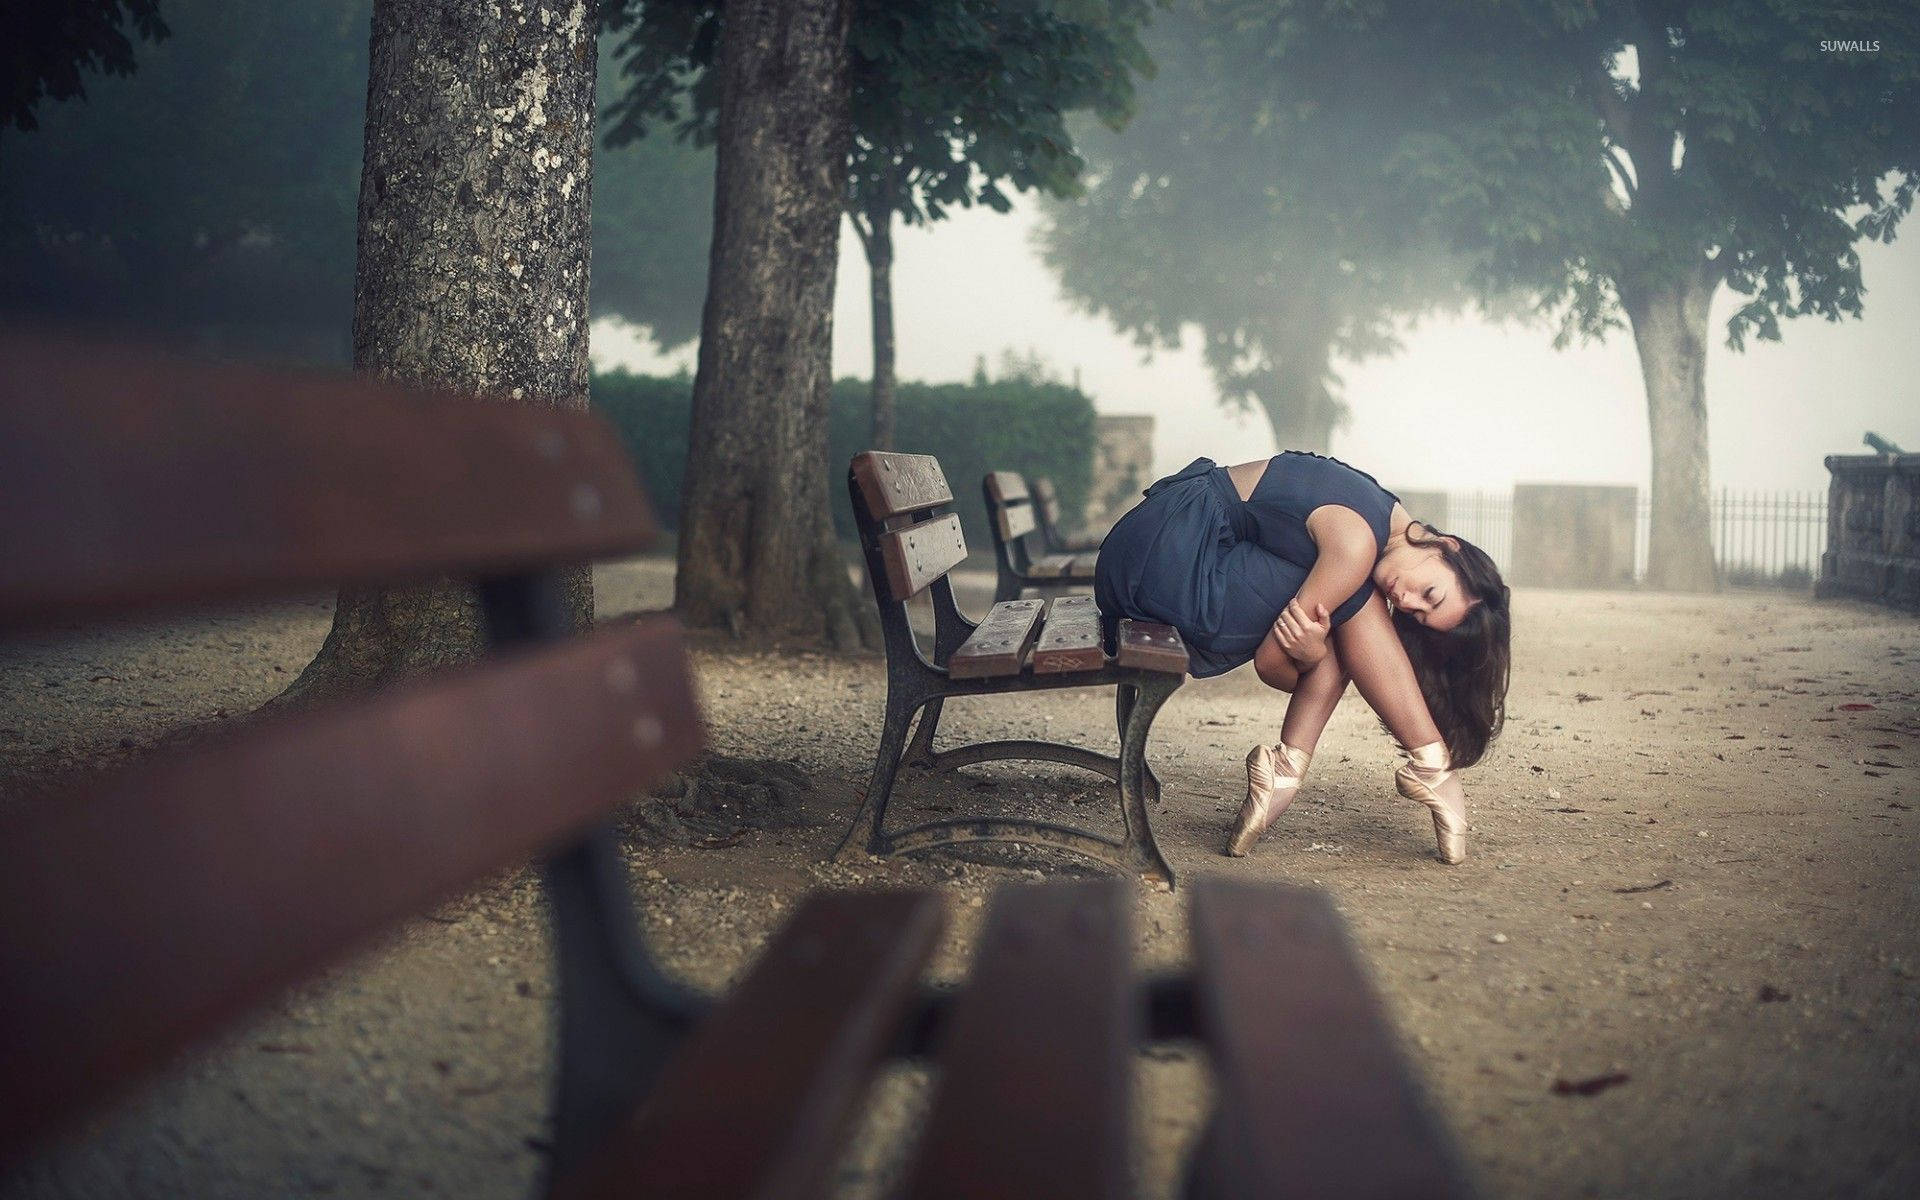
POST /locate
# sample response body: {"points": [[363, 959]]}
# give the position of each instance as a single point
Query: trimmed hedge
{"points": [[1011, 425]]}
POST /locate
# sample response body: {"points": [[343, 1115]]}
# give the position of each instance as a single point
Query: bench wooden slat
{"points": [[1035, 1062], [1047, 499], [156, 906], [137, 481], [1008, 487], [1000, 644], [755, 1102], [1151, 645], [1314, 1098], [893, 484], [1071, 639], [919, 554], [1014, 520]]}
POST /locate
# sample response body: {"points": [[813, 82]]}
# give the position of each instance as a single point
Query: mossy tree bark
{"points": [[757, 551], [472, 267]]}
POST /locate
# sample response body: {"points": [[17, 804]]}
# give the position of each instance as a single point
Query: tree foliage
{"points": [[214, 188], [1237, 203], [652, 225], [953, 101], [55, 43], [1037, 426]]}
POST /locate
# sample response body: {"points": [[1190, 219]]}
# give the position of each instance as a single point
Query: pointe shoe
{"points": [[1273, 779], [1428, 777]]}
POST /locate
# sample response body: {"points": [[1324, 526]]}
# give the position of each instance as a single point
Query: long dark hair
{"points": [[1464, 671]]}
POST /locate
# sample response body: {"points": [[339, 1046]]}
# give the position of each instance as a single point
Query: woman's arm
{"points": [[1346, 552], [1371, 653]]}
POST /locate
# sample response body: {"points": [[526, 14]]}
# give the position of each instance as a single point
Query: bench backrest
{"points": [[1009, 505], [151, 908], [903, 508]]}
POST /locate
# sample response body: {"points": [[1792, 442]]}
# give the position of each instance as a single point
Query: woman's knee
{"points": [[1276, 671]]}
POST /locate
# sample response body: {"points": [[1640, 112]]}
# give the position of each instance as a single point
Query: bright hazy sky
{"points": [[1466, 404]]}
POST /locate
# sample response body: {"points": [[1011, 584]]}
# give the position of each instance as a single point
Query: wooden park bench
{"points": [[144, 911], [912, 539], [1025, 547]]}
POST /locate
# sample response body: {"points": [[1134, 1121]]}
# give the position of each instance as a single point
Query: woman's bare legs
{"points": [[1371, 652], [1315, 696], [1274, 773]]}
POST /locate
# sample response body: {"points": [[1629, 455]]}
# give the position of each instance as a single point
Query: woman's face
{"points": [[1416, 580]]}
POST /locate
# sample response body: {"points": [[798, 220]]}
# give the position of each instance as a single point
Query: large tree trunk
{"points": [[1669, 318], [472, 268], [757, 550], [878, 242], [1298, 404]]}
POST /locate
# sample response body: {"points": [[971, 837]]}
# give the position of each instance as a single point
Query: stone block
{"points": [[1573, 535]]}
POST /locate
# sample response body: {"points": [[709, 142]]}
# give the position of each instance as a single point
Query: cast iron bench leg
{"points": [[1136, 781], [864, 836]]}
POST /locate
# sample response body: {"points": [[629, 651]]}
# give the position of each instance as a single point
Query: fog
{"points": [[1466, 404]]}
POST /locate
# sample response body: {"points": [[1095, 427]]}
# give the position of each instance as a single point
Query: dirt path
{"points": [[1692, 864]]}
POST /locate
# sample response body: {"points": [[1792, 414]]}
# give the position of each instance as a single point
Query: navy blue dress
{"points": [[1195, 556]]}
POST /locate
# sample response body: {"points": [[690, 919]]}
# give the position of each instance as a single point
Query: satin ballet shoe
{"points": [[1273, 779], [1428, 777]]}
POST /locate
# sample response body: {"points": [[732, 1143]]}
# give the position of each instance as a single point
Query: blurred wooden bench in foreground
{"points": [[147, 911]]}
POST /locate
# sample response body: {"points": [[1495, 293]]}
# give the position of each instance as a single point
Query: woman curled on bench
{"points": [[1316, 574]]}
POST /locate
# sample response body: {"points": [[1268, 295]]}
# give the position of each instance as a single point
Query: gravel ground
{"points": [[1692, 865]]}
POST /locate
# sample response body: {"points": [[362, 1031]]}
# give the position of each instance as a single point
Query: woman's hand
{"points": [[1304, 638]]}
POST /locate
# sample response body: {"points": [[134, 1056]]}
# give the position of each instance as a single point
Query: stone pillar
{"points": [[1873, 529], [1573, 535], [1122, 468]]}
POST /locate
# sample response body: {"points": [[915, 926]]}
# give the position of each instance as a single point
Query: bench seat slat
{"points": [[755, 1102], [135, 481], [919, 554], [156, 906], [1314, 1098], [1071, 640], [1151, 645], [1000, 644], [893, 484], [1035, 1061]]}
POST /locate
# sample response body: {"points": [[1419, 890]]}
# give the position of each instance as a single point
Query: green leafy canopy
{"points": [[952, 100]]}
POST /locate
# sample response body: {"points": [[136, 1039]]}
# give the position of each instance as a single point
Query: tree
{"points": [[756, 540], [210, 198], [953, 101], [53, 43], [472, 269], [1234, 204], [1631, 159]]}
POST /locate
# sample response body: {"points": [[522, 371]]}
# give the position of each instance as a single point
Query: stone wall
{"points": [[1573, 535], [1873, 529], [1122, 468]]}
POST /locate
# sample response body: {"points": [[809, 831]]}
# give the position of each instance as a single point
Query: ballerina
{"points": [[1319, 576]]}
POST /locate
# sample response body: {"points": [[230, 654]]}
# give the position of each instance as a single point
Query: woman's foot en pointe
{"points": [[1428, 777], [1273, 779]]}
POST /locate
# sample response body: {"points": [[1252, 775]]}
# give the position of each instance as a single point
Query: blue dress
{"points": [[1195, 556]]}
